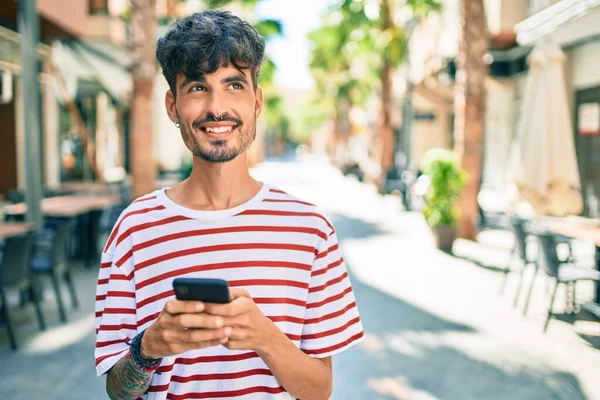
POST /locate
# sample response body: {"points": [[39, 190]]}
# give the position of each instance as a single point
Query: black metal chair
{"points": [[518, 226], [50, 258], [566, 241], [110, 217], [493, 220], [84, 245], [16, 196], [16, 274], [592, 308], [567, 274]]}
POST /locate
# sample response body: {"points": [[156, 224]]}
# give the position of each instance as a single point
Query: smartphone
{"points": [[202, 289]]}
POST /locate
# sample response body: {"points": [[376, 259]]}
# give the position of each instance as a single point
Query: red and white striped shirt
{"points": [[283, 251]]}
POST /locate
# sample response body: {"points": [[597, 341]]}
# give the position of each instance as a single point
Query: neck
{"points": [[216, 186]]}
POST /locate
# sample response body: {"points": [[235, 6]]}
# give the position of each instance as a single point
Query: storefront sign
{"points": [[589, 119]]}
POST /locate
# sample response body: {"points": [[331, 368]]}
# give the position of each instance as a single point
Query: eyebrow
{"points": [[235, 78], [202, 79], [188, 80]]}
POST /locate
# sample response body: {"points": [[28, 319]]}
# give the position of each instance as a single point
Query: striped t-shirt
{"points": [[283, 251]]}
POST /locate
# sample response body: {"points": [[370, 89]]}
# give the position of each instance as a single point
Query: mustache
{"points": [[213, 118]]}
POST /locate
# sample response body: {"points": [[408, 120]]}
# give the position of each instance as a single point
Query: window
{"points": [[98, 7]]}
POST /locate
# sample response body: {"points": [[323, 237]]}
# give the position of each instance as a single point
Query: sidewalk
{"points": [[436, 325]]}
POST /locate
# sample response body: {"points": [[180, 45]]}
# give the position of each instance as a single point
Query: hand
{"points": [[250, 328], [183, 326]]}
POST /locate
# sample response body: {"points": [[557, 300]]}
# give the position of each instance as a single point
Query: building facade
{"points": [[84, 92], [515, 26]]}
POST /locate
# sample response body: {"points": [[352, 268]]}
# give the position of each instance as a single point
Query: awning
{"points": [[10, 51], [567, 21], [81, 64]]}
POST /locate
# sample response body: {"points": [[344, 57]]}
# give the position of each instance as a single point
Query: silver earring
{"points": [[176, 124]]}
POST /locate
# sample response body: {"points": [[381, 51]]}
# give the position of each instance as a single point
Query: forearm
{"points": [[302, 376], [126, 380]]}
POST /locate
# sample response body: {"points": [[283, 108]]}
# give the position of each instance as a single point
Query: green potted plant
{"points": [[447, 180]]}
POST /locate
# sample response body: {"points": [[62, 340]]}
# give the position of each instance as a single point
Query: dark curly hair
{"points": [[202, 42]]}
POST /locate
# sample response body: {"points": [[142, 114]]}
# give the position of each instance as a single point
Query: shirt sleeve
{"points": [[116, 321], [332, 323]]}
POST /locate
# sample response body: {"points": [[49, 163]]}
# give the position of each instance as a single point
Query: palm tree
{"points": [[469, 103], [380, 45], [143, 25], [394, 42], [390, 59], [331, 75], [341, 44]]}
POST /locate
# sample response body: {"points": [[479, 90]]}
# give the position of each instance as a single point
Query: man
{"points": [[292, 304]]}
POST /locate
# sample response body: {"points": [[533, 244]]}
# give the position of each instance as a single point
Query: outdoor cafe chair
{"points": [[519, 251], [16, 196], [16, 274], [50, 258], [592, 308], [110, 216], [563, 273], [85, 245]]}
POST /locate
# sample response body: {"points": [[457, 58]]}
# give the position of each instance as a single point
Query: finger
{"points": [[236, 307], [200, 336], [235, 293], [237, 321], [237, 334], [174, 306], [194, 346], [197, 321], [215, 342], [236, 345]]}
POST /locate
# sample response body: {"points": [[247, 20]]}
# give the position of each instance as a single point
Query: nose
{"points": [[216, 104]]}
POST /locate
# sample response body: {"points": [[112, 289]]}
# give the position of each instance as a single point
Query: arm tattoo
{"points": [[126, 380]]}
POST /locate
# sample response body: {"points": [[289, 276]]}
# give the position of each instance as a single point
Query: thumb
{"points": [[236, 293]]}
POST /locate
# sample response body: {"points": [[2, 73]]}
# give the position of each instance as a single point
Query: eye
{"points": [[236, 86], [197, 88]]}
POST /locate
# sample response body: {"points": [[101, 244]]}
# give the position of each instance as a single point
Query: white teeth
{"points": [[219, 129]]}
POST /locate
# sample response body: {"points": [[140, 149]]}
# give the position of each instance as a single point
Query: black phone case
{"points": [[201, 289]]}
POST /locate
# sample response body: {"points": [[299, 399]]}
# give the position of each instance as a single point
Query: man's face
{"points": [[217, 113]]}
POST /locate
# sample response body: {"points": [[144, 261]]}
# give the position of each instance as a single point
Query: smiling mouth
{"points": [[218, 130]]}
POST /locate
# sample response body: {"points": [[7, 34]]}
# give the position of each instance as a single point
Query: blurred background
{"points": [[455, 145]]}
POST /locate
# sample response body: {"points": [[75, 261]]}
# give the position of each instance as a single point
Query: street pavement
{"points": [[436, 326]]}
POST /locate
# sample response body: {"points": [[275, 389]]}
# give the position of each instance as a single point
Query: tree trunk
{"points": [[469, 105], [344, 129], [335, 134], [143, 167], [386, 131], [172, 9]]}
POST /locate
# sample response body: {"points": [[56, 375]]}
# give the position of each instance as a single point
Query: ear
{"points": [[259, 101], [170, 105]]}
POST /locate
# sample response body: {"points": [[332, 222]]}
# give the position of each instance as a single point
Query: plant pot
{"points": [[444, 237]]}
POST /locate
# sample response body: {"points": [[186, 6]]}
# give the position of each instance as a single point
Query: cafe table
{"points": [[86, 209], [65, 206], [11, 229]]}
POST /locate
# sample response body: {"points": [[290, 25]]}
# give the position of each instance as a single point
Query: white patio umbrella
{"points": [[543, 162]]}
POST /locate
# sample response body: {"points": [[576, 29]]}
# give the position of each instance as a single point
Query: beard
{"points": [[220, 151]]}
